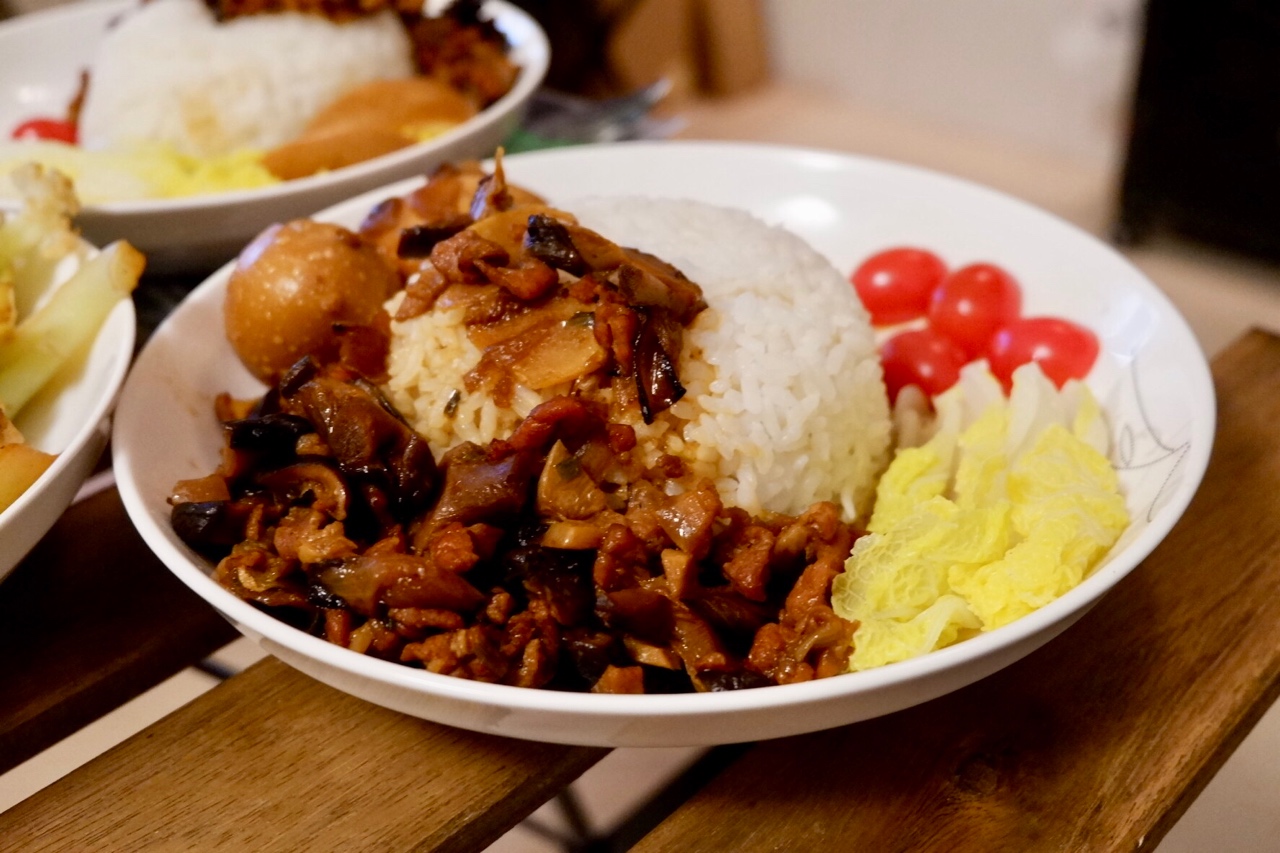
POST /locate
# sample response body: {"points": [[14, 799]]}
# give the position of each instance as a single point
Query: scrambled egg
{"points": [[1010, 504], [144, 171]]}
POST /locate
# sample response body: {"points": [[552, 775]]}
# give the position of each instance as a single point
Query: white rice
{"points": [[429, 360], [169, 73], [785, 404]]}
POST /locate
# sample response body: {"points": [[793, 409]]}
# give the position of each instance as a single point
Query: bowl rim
{"points": [[1061, 611], [533, 51]]}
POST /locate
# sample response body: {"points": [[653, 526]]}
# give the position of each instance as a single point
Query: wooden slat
{"points": [[1099, 740], [272, 760], [89, 620]]}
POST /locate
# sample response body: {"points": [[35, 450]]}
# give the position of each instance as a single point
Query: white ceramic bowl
{"points": [[71, 419], [1151, 378], [44, 52]]}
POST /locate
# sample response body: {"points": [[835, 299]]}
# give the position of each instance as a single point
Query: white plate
{"points": [[1151, 377], [71, 419], [43, 54]]}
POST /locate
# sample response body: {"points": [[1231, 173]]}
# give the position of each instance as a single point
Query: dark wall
{"points": [[1204, 153]]}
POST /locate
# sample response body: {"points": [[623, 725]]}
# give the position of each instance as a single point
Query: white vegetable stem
{"points": [[66, 323]]}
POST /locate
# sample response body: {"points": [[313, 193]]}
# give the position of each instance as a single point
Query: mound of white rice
{"points": [[785, 404], [168, 72]]}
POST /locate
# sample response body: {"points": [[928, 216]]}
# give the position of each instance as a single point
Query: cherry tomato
{"points": [[50, 129], [972, 303], [1063, 349], [895, 285], [920, 357]]}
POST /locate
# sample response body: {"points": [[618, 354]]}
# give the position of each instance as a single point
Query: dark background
{"points": [[1203, 160]]}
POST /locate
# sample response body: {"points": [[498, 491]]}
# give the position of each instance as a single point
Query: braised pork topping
{"points": [[548, 301], [552, 559]]}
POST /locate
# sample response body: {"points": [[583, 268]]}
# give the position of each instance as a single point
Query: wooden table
{"points": [[1098, 741]]}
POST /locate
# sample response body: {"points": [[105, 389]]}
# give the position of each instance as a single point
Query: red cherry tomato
{"points": [[49, 129], [972, 303], [920, 357], [1063, 349], [895, 285]]}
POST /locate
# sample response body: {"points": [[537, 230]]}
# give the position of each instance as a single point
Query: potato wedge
{"points": [[20, 466]]}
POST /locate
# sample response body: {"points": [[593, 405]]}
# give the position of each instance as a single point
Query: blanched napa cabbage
{"points": [[1007, 506], [133, 172]]}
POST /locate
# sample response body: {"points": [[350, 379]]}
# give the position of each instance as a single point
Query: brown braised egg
{"points": [[293, 285]]}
